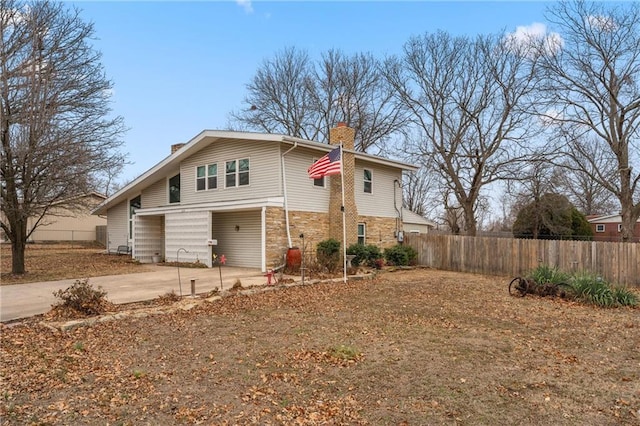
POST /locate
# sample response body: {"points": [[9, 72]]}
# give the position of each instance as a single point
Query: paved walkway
{"points": [[25, 300]]}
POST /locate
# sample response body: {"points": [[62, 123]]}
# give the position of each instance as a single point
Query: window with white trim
{"points": [[599, 227], [368, 181], [207, 177], [362, 233], [320, 181], [237, 173], [619, 227]]}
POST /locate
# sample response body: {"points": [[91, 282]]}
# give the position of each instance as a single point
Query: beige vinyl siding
{"points": [[117, 226], [264, 171], [380, 201], [244, 246], [190, 231], [155, 195], [301, 193], [66, 225]]}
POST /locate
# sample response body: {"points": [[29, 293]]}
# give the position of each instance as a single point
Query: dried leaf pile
{"points": [[411, 347]]}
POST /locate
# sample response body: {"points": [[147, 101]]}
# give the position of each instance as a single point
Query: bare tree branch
{"points": [[468, 98], [293, 95], [592, 89], [57, 136]]}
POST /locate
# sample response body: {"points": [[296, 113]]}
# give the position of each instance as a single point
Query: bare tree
{"points": [[418, 192], [469, 100], [293, 95], [584, 192], [55, 131], [281, 97], [592, 87]]}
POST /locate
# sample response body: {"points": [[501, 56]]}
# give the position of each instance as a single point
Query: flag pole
{"points": [[344, 220]]}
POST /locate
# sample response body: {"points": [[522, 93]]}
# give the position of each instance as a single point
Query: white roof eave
{"points": [[207, 136]]}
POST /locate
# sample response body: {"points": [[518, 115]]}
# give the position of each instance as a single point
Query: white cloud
{"points": [[602, 23], [246, 5], [552, 116], [527, 37]]}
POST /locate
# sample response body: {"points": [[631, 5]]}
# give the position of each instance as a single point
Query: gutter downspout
{"points": [[284, 188], [395, 206]]}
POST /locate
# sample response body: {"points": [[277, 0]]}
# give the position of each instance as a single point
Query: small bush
{"points": [[400, 255], [378, 263], [83, 298], [328, 254], [168, 298], [365, 254]]}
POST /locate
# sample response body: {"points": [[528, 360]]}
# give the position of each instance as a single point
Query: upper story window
{"points": [[237, 173], [599, 227], [174, 189], [207, 177], [320, 181], [368, 181], [619, 227]]}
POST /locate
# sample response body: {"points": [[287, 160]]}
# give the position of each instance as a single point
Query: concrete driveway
{"points": [[25, 300]]}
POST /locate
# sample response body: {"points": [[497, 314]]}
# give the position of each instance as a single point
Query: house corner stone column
{"points": [[343, 135]]}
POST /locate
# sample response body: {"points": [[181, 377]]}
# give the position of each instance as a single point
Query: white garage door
{"points": [[239, 237]]}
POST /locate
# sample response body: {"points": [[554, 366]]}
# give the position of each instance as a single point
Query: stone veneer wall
{"points": [[380, 230], [345, 135], [314, 226]]}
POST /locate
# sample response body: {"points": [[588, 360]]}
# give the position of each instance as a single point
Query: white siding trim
{"points": [[216, 206], [263, 221]]}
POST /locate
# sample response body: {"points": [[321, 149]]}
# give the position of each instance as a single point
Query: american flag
{"points": [[327, 165]]}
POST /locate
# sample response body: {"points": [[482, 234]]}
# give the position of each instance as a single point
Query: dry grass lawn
{"points": [[411, 347], [52, 262]]}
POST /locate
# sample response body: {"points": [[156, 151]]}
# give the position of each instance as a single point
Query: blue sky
{"points": [[180, 67]]}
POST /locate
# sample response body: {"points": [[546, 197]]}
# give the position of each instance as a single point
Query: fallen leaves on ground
{"points": [[52, 262], [410, 347]]}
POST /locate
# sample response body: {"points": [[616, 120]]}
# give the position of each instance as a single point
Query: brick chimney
{"points": [[176, 146], [341, 134]]}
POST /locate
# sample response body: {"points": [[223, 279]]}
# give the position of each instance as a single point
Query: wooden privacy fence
{"points": [[615, 262]]}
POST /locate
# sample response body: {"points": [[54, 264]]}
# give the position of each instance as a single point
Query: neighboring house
{"points": [[415, 224], [608, 227], [64, 224], [248, 196]]}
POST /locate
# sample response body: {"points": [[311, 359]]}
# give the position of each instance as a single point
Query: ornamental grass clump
{"points": [[590, 288], [545, 274]]}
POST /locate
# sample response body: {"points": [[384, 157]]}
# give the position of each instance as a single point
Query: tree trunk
{"points": [[628, 223], [18, 246], [470, 223]]}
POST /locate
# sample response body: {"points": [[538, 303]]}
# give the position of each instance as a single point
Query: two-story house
{"points": [[248, 196]]}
